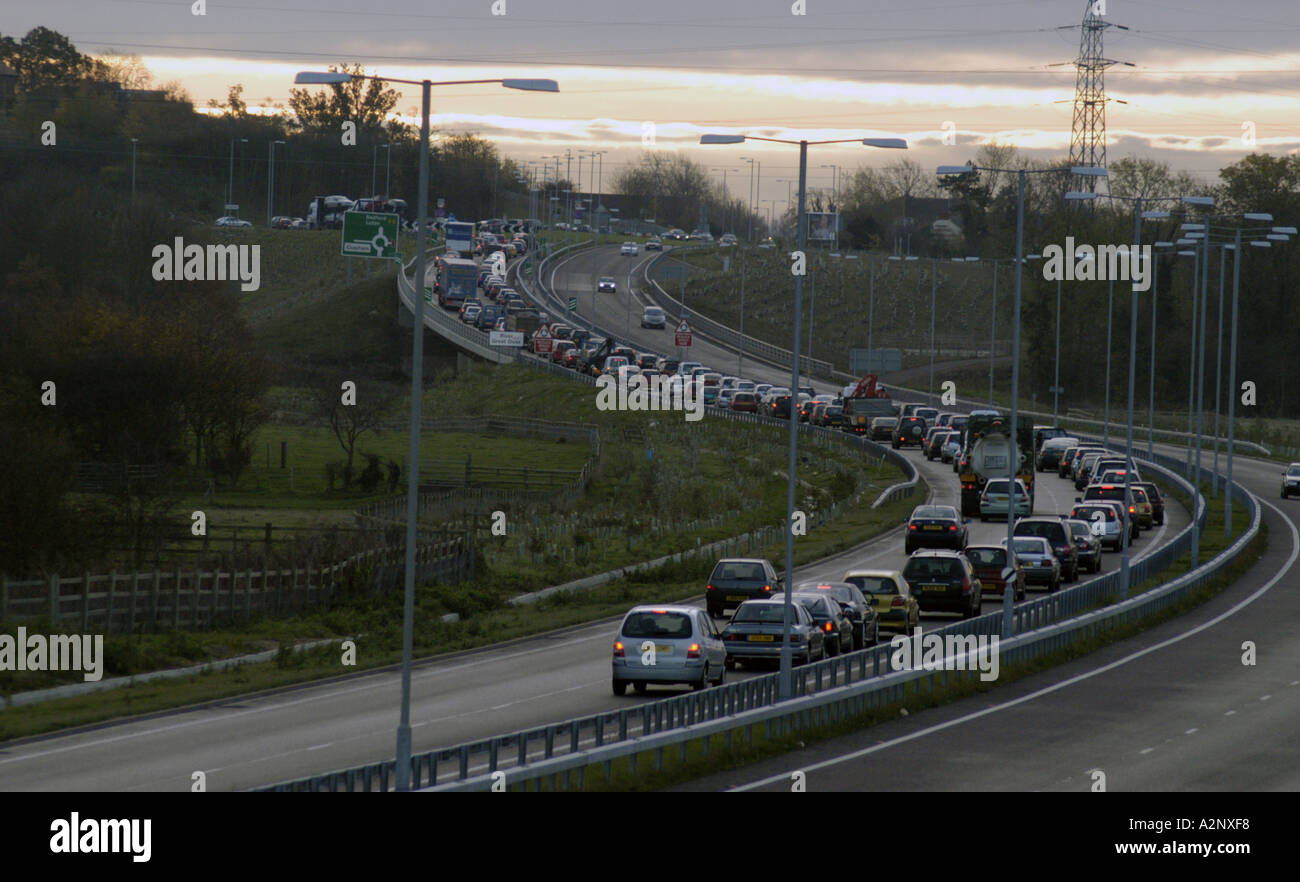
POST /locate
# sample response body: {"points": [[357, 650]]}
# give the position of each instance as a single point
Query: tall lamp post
{"points": [[786, 680], [133, 143], [1013, 465], [270, 180], [417, 369], [230, 188]]}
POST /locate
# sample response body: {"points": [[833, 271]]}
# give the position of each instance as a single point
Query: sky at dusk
{"points": [[1197, 78]]}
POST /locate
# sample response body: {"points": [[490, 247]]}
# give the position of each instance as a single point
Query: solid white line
{"points": [[1056, 687]]}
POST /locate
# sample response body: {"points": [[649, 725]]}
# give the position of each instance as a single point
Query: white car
{"points": [[605, 285], [228, 221], [630, 248], [653, 317]]}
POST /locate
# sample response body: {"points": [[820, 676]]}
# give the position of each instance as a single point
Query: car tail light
{"points": [[1132, 509], [693, 651], [952, 528], [796, 638], [767, 587], [965, 586], [899, 601], [618, 649], [710, 588], [828, 627]]}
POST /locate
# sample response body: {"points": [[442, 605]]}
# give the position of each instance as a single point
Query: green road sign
{"points": [[369, 234], [428, 294], [573, 304]]}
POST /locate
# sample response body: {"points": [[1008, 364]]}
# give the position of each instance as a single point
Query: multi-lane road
{"points": [[256, 740]]}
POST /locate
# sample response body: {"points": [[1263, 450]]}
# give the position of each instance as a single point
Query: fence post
{"points": [[85, 601], [176, 600], [4, 598], [154, 597], [108, 606], [54, 598]]}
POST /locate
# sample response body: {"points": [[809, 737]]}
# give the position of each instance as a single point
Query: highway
{"points": [[262, 739]]}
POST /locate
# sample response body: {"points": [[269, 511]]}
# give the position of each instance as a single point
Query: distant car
{"points": [[469, 312], [1041, 566], [890, 596], [995, 502], [860, 612], [935, 526], [1158, 502], [933, 444], [837, 630], [630, 248], [944, 581], [735, 580], [1291, 480], [744, 402], [990, 563], [232, 222], [910, 430], [654, 244], [1103, 520], [1058, 536], [756, 629], [1088, 545], [951, 447], [605, 285], [653, 317], [668, 644], [1049, 456], [882, 428], [727, 240]]}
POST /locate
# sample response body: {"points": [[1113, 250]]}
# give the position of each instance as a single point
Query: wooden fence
{"points": [[176, 598]]}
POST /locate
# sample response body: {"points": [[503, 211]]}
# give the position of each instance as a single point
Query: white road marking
{"points": [[1056, 687]]}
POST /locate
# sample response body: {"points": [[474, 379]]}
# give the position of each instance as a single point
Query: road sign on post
{"points": [[369, 234], [514, 339], [683, 334], [542, 341], [573, 304]]}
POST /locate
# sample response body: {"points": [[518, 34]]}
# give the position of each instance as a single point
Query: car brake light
{"points": [[1131, 509], [710, 588], [965, 585], [911, 526], [767, 587], [693, 651], [899, 601], [827, 627], [618, 649], [952, 528]]}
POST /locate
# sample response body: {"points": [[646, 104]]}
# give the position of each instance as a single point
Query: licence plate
{"points": [[934, 587], [762, 638], [932, 527], [663, 649], [736, 597]]}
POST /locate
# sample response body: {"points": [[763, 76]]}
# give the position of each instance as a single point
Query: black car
{"points": [[944, 581], [860, 611], [833, 417], [1088, 545], [779, 407], [935, 526], [1158, 502], [910, 430], [830, 619], [735, 580], [882, 428], [1058, 536]]}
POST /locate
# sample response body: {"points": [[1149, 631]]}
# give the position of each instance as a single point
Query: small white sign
{"points": [[506, 338]]}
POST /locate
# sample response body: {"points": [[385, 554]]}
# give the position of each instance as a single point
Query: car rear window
{"points": [[1028, 547], [1052, 532], [874, 584], [811, 602], [760, 612], [751, 571], [932, 568], [1087, 514], [657, 624], [986, 557]]}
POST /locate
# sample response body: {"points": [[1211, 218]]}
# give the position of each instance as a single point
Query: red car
{"points": [[745, 402], [560, 349], [990, 563]]}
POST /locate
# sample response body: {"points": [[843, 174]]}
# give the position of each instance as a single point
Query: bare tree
{"points": [[350, 415]]}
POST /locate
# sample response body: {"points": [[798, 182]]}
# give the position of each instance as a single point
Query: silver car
{"points": [[755, 633], [668, 644], [1041, 566]]}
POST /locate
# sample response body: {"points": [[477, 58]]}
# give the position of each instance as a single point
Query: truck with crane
{"points": [[863, 402]]}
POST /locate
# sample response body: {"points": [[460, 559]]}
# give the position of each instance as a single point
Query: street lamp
{"points": [[133, 143], [786, 682], [317, 78], [374, 166], [230, 188], [270, 180], [1013, 465]]}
